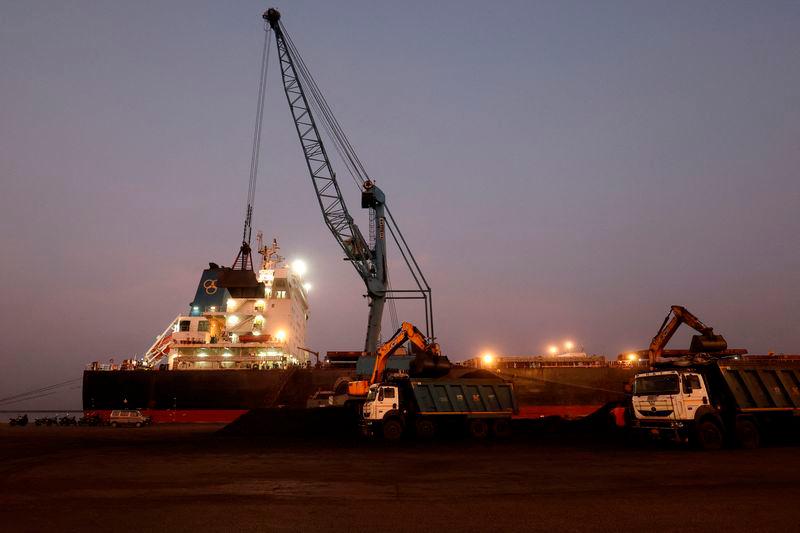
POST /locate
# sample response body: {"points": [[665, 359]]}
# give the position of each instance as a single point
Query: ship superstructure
{"points": [[240, 319]]}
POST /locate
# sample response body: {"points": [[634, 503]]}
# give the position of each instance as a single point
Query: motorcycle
{"points": [[67, 421], [46, 421], [90, 420], [21, 420]]}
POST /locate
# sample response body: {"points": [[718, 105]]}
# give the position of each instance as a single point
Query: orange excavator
{"points": [[428, 356], [706, 342]]}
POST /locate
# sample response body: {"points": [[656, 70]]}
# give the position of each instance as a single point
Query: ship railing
{"points": [[102, 366]]}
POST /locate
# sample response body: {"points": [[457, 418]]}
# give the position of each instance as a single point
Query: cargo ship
{"points": [[241, 346]]}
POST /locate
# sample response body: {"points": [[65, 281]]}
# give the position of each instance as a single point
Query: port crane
{"points": [[310, 110]]}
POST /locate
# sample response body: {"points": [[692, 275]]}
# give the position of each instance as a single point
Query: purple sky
{"points": [[562, 170]]}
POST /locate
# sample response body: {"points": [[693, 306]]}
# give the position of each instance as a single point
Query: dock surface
{"points": [[191, 478]]}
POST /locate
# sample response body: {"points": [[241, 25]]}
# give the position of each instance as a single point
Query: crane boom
{"points": [[369, 261]]}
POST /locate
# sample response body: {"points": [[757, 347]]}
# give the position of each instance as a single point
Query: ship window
{"points": [[185, 324], [280, 294], [202, 325]]}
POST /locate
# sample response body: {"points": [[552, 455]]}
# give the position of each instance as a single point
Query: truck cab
{"points": [[381, 400], [674, 403]]}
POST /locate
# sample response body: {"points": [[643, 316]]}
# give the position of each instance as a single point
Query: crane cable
{"points": [[262, 90]]}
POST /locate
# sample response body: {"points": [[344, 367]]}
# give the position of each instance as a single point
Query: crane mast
{"points": [[369, 262]]}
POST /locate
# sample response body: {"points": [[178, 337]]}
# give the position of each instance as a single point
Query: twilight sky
{"points": [[563, 170]]}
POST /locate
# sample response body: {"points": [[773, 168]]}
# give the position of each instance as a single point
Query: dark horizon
{"points": [[562, 171]]}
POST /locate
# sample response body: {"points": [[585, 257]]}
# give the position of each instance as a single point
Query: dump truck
{"points": [[718, 401], [470, 399]]}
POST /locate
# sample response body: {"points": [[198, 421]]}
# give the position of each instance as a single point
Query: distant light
{"points": [[213, 308], [196, 308], [299, 266], [280, 335], [569, 345], [632, 357], [233, 320], [227, 354], [202, 354], [256, 332], [231, 302], [488, 359], [307, 286], [553, 349], [262, 354]]}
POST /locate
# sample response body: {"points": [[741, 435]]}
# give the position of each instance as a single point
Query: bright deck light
{"points": [[553, 349], [307, 286], [280, 335], [299, 266], [233, 320], [569, 345], [632, 357], [488, 358]]}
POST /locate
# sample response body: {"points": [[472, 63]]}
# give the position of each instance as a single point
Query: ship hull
{"points": [[186, 396], [568, 392], [221, 396]]}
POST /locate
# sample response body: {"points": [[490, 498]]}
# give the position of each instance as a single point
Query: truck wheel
{"points": [[425, 429], [747, 434], [392, 430], [113, 424], [478, 428], [501, 428], [138, 424], [709, 436]]}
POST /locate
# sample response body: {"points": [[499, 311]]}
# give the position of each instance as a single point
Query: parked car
{"points": [[128, 418]]}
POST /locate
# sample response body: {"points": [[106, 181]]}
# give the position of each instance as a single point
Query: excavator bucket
{"points": [[708, 342], [428, 365]]}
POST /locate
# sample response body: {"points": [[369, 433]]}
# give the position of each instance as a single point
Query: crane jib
{"points": [[309, 108]]}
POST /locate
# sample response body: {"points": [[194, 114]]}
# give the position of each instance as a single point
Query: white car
{"points": [[129, 418]]}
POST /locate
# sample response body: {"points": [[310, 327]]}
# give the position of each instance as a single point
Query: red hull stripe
{"points": [[224, 416], [184, 416], [564, 411]]}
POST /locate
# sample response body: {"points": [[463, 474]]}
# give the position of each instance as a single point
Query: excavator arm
{"points": [[407, 333], [707, 341]]}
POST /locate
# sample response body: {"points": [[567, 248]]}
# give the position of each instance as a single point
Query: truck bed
{"points": [[484, 398], [763, 385]]}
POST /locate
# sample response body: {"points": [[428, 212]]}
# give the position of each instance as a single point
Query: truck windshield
{"points": [[372, 394], [654, 385]]}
